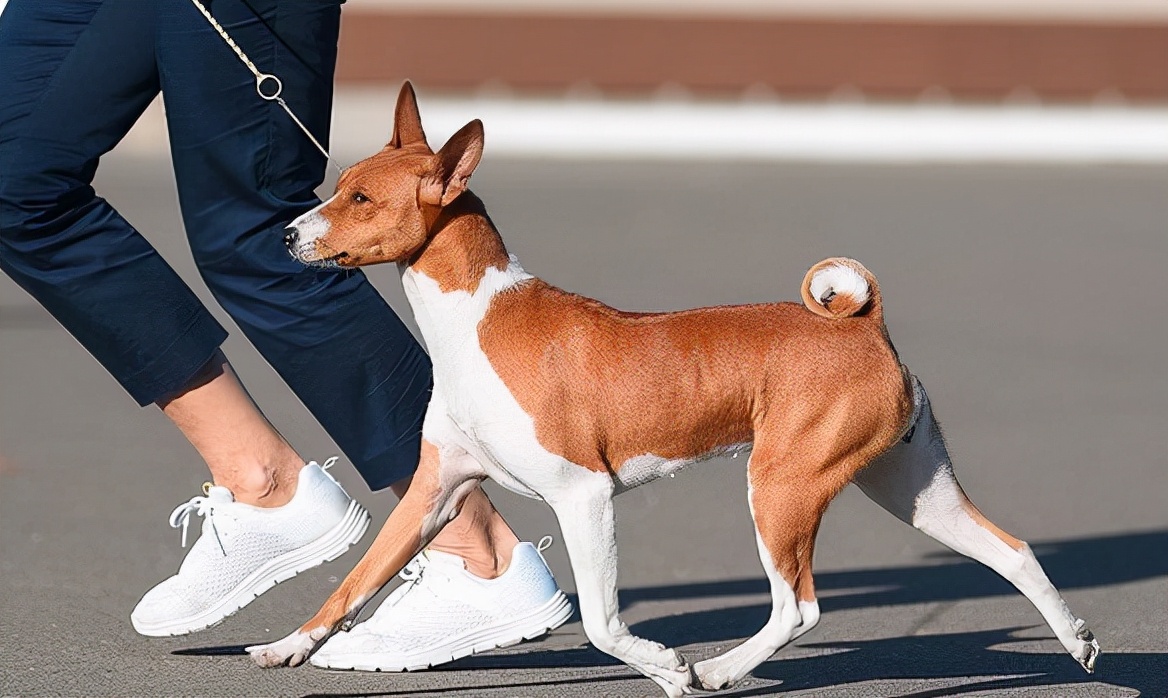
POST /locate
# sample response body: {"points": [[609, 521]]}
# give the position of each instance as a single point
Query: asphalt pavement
{"points": [[1029, 299]]}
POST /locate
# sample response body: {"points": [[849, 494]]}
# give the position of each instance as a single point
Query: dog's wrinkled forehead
{"points": [[386, 170]]}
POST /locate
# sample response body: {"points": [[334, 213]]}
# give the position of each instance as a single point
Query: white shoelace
{"points": [[202, 506], [422, 564], [414, 569], [411, 575]]}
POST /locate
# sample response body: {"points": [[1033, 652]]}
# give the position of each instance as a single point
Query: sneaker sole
{"points": [[541, 621], [327, 548]]}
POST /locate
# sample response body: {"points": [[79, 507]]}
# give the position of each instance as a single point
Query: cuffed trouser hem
{"points": [[173, 369], [393, 465]]}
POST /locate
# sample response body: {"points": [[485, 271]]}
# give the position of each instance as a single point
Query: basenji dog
{"points": [[564, 399]]}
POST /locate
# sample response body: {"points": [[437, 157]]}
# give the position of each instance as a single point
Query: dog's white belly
{"points": [[638, 470]]}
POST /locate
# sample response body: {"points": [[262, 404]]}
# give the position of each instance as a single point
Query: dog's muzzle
{"points": [[291, 238]]}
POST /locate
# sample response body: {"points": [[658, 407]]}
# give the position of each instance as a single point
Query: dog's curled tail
{"points": [[840, 287]]}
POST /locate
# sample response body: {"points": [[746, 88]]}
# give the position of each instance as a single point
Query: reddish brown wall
{"points": [[894, 59]]}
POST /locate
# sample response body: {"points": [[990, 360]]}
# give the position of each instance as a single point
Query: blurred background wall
{"points": [[835, 80], [968, 50]]}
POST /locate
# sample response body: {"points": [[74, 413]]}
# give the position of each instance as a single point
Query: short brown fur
{"points": [[463, 246], [604, 386]]}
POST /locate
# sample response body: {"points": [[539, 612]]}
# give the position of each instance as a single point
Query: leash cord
{"points": [[264, 81]]}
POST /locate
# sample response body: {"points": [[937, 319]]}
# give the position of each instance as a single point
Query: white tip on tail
{"points": [[840, 280]]}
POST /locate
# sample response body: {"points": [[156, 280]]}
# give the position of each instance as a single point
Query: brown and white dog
{"points": [[564, 399]]}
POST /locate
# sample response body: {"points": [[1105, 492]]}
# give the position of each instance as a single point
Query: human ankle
{"points": [[243, 450], [263, 484]]}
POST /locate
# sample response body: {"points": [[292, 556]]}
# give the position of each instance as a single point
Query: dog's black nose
{"points": [[290, 238]]}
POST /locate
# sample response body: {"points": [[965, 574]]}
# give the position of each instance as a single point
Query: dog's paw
{"points": [[675, 676], [293, 650], [712, 675], [1088, 647], [675, 681]]}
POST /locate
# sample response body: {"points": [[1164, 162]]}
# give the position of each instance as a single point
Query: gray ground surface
{"points": [[1030, 300]]}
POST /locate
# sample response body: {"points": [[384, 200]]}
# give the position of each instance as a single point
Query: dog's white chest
{"points": [[483, 416], [468, 386]]}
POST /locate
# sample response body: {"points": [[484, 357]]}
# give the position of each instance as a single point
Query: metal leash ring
{"points": [[262, 78]]}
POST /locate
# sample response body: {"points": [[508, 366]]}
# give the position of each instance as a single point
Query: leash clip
{"points": [[268, 91], [261, 79]]}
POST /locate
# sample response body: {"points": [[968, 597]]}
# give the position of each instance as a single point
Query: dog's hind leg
{"points": [[786, 508], [587, 523], [914, 481]]}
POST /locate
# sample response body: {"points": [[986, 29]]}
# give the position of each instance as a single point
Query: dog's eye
{"points": [[359, 198]]}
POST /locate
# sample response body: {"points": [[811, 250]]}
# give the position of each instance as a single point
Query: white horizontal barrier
{"points": [[770, 130]]}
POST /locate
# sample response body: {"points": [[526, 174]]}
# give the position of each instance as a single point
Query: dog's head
{"points": [[385, 205]]}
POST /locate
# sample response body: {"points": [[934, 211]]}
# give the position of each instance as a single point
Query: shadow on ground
{"points": [[1071, 564], [974, 658]]}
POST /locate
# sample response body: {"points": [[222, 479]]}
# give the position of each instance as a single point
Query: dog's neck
{"points": [[451, 280], [463, 244]]}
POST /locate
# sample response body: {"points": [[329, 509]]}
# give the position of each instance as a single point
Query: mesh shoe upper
{"points": [[440, 600], [237, 539]]}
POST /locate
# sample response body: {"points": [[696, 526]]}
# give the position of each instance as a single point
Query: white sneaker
{"points": [[444, 612], [244, 551]]}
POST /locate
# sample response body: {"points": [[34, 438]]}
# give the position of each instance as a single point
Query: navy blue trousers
{"points": [[74, 77]]}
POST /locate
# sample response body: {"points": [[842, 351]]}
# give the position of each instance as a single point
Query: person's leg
{"points": [[77, 76], [245, 170], [243, 450]]}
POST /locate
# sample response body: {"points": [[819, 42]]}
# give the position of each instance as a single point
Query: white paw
{"points": [[673, 674], [676, 682], [1088, 647], [712, 675], [293, 650]]}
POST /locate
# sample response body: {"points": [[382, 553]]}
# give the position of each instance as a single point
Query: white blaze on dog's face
{"points": [[385, 205]]}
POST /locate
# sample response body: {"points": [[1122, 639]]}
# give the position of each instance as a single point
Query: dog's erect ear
{"points": [[407, 123], [456, 161]]}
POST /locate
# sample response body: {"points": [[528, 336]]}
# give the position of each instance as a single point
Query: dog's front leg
{"points": [[588, 525], [439, 486]]}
